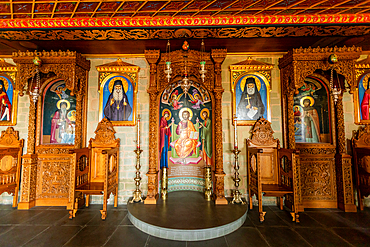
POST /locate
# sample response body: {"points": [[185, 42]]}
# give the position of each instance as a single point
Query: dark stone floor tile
{"points": [[4, 229], [7, 207], [282, 236], [248, 222], [20, 235], [216, 242], [58, 208], [41, 208], [18, 216], [304, 219], [54, 236], [160, 242], [114, 218], [361, 219], [4, 212], [356, 236], [271, 219], [316, 210], [92, 236], [126, 221], [82, 218], [128, 234], [330, 219], [318, 237], [48, 217], [245, 236]]}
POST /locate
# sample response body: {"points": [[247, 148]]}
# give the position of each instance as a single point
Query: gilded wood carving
{"points": [[212, 84], [46, 176], [329, 160]]}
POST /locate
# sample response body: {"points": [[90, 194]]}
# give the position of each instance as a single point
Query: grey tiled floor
{"points": [[50, 226]]}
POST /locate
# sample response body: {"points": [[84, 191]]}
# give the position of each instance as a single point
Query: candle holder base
{"points": [[237, 198], [137, 193], [137, 197]]}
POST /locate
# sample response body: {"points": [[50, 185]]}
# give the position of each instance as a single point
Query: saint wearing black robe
{"points": [[250, 105], [117, 107]]}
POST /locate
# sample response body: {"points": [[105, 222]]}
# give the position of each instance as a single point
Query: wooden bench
{"points": [[361, 162], [270, 170], [11, 149], [96, 169]]}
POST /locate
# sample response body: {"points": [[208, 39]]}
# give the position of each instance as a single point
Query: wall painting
{"points": [[8, 101], [185, 145]]}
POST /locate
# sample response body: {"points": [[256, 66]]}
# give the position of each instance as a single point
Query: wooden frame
{"points": [[319, 159], [8, 74], [262, 73], [46, 168], [11, 145], [213, 83], [128, 74]]}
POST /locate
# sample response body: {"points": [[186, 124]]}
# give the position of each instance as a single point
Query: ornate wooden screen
{"points": [[46, 167], [213, 84], [325, 177]]}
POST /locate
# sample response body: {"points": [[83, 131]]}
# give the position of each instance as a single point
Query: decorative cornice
{"points": [[117, 66], [251, 64], [140, 22], [363, 64], [7, 67]]}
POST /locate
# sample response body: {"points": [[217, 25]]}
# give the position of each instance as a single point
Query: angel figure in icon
{"points": [[174, 101], [196, 100]]}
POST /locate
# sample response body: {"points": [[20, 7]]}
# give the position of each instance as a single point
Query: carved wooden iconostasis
{"points": [[175, 101], [57, 123], [314, 123]]}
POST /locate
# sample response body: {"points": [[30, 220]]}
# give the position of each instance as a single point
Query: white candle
{"points": [[235, 134], [138, 132]]}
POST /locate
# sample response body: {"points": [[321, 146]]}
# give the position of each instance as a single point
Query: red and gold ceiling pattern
{"points": [[156, 13]]}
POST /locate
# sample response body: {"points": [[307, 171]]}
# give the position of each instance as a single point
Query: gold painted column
{"points": [[343, 165], [218, 56], [152, 57], [29, 164]]}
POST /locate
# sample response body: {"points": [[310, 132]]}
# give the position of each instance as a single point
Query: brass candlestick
{"points": [[137, 193], [237, 195], [208, 181], [164, 190]]}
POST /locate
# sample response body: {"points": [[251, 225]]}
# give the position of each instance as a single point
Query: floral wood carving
{"points": [[199, 33], [10, 138], [361, 137], [262, 134]]}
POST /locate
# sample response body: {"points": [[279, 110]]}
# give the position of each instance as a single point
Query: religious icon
{"points": [[185, 130], [311, 112], [5, 104], [59, 115], [365, 100], [117, 101], [251, 98], [206, 136], [118, 107], [165, 134]]}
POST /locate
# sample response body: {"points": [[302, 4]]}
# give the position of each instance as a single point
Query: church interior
{"points": [[185, 123]]}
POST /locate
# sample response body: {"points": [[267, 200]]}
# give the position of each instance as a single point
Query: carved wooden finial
{"points": [[10, 137], [361, 137], [262, 133], [104, 134]]}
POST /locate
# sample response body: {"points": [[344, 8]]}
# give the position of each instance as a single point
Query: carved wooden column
{"points": [[152, 57], [345, 196], [218, 56]]}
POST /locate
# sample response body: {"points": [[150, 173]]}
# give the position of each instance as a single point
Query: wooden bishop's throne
{"points": [[361, 162], [96, 169], [11, 149], [271, 169]]}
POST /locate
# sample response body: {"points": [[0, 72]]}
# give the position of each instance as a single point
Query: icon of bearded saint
{"points": [[117, 107], [250, 106], [5, 105]]}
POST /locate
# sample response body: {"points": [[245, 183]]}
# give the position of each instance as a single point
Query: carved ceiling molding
{"points": [[230, 32]]}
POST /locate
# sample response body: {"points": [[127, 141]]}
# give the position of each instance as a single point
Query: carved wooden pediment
{"points": [[262, 134], [10, 138], [104, 135], [361, 137]]}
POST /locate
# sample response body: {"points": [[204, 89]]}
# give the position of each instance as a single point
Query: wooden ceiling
{"points": [[25, 9], [130, 27]]}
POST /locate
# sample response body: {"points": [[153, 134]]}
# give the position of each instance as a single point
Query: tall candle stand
{"points": [[137, 193], [164, 190], [208, 183], [237, 195]]}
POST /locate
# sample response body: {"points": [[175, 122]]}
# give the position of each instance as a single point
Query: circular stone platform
{"points": [[187, 216]]}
